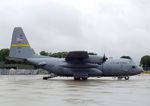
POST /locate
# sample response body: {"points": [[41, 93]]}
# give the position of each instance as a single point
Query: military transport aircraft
{"points": [[77, 64]]}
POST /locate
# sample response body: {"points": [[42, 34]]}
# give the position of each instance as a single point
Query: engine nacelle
{"points": [[83, 57], [95, 59]]}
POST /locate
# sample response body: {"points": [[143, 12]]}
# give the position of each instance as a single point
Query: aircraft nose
{"points": [[140, 70]]}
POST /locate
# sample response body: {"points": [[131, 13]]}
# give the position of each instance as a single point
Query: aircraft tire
{"points": [[76, 78], [120, 78], [126, 77], [85, 78], [45, 78]]}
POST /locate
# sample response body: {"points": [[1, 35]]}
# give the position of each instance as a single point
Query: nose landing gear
{"points": [[125, 77]]}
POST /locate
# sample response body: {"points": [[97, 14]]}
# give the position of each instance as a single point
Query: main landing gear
{"points": [[125, 77], [78, 78]]}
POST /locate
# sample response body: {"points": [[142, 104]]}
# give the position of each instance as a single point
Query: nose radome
{"points": [[141, 70]]}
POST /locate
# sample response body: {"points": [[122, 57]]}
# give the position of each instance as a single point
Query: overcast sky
{"points": [[113, 27]]}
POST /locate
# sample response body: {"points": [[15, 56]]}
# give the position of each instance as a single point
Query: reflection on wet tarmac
{"points": [[32, 90]]}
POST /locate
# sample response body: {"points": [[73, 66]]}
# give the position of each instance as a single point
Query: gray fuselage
{"points": [[111, 67]]}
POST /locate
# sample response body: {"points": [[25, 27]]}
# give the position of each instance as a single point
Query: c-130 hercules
{"points": [[77, 64]]}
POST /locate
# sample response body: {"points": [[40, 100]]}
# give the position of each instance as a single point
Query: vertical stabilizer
{"points": [[20, 48]]}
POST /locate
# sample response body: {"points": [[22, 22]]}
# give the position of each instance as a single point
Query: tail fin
{"points": [[20, 47]]}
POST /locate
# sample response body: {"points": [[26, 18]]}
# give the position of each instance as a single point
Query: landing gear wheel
{"points": [[45, 78], [84, 78], [76, 78], [120, 78], [126, 77]]}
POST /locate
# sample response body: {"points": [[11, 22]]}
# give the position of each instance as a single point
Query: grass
{"points": [[147, 72]]}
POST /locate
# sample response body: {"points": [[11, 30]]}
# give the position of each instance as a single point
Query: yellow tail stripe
{"points": [[20, 45]]}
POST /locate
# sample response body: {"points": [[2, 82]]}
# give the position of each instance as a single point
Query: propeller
{"points": [[104, 58]]}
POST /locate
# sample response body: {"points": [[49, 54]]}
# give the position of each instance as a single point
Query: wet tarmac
{"points": [[31, 90]]}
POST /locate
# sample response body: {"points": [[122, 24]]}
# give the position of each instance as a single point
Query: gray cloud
{"points": [[115, 27]]}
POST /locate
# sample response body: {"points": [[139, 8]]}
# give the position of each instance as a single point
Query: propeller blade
{"points": [[104, 58]]}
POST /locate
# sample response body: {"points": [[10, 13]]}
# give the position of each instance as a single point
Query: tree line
{"points": [[145, 60], [59, 54]]}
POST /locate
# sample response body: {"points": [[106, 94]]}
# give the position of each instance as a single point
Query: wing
{"points": [[78, 59], [77, 56], [78, 63]]}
